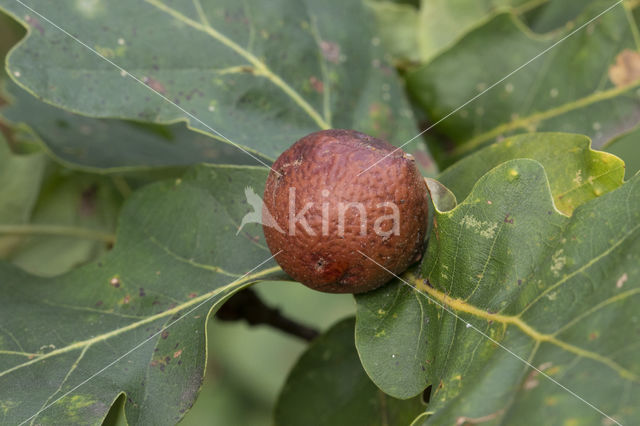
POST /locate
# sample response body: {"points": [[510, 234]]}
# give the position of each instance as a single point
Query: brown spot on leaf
{"points": [[177, 353], [191, 389], [626, 70], [88, 201], [461, 421], [164, 334], [155, 85], [330, 51], [317, 85], [115, 282], [35, 23]]}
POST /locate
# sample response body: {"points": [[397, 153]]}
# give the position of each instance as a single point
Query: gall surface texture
{"points": [[327, 213]]}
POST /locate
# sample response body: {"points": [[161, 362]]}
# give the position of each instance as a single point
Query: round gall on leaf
{"points": [[338, 224]]}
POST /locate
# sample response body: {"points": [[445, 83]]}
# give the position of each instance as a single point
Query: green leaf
{"points": [[10, 33], [577, 173], [440, 194], [222, 61], [391, 337], [627, 147], [99, 145], [568, 89], [419, 34], [398, 26], [52, 219], [20, 177], [329, 387], [442, 22], [553, 14], [560, 292], [177, 256]]}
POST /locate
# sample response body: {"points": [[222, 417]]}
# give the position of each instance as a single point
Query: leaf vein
{"points": [[147, 320], [260, 66]]}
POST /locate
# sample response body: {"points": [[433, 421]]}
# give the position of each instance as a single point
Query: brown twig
{"points": [[247, 305]]}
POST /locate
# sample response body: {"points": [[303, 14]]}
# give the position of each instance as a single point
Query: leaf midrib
{"points": [[525, 122], [261, 68], [460, 305], [116, 332]]}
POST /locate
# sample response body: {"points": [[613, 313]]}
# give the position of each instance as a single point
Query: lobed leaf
{"points": [[583, 84], [99, 145], [415, 33], [507, 276], [177, 257], [577, 173], [222, 62]]}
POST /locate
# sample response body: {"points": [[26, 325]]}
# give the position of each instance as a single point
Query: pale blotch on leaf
{"points": [[484, 228], [331, 51], [558, 261], [47, 348], [578, 179], [623, 279], [155, 85], [626, 70], [89, 8]]}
